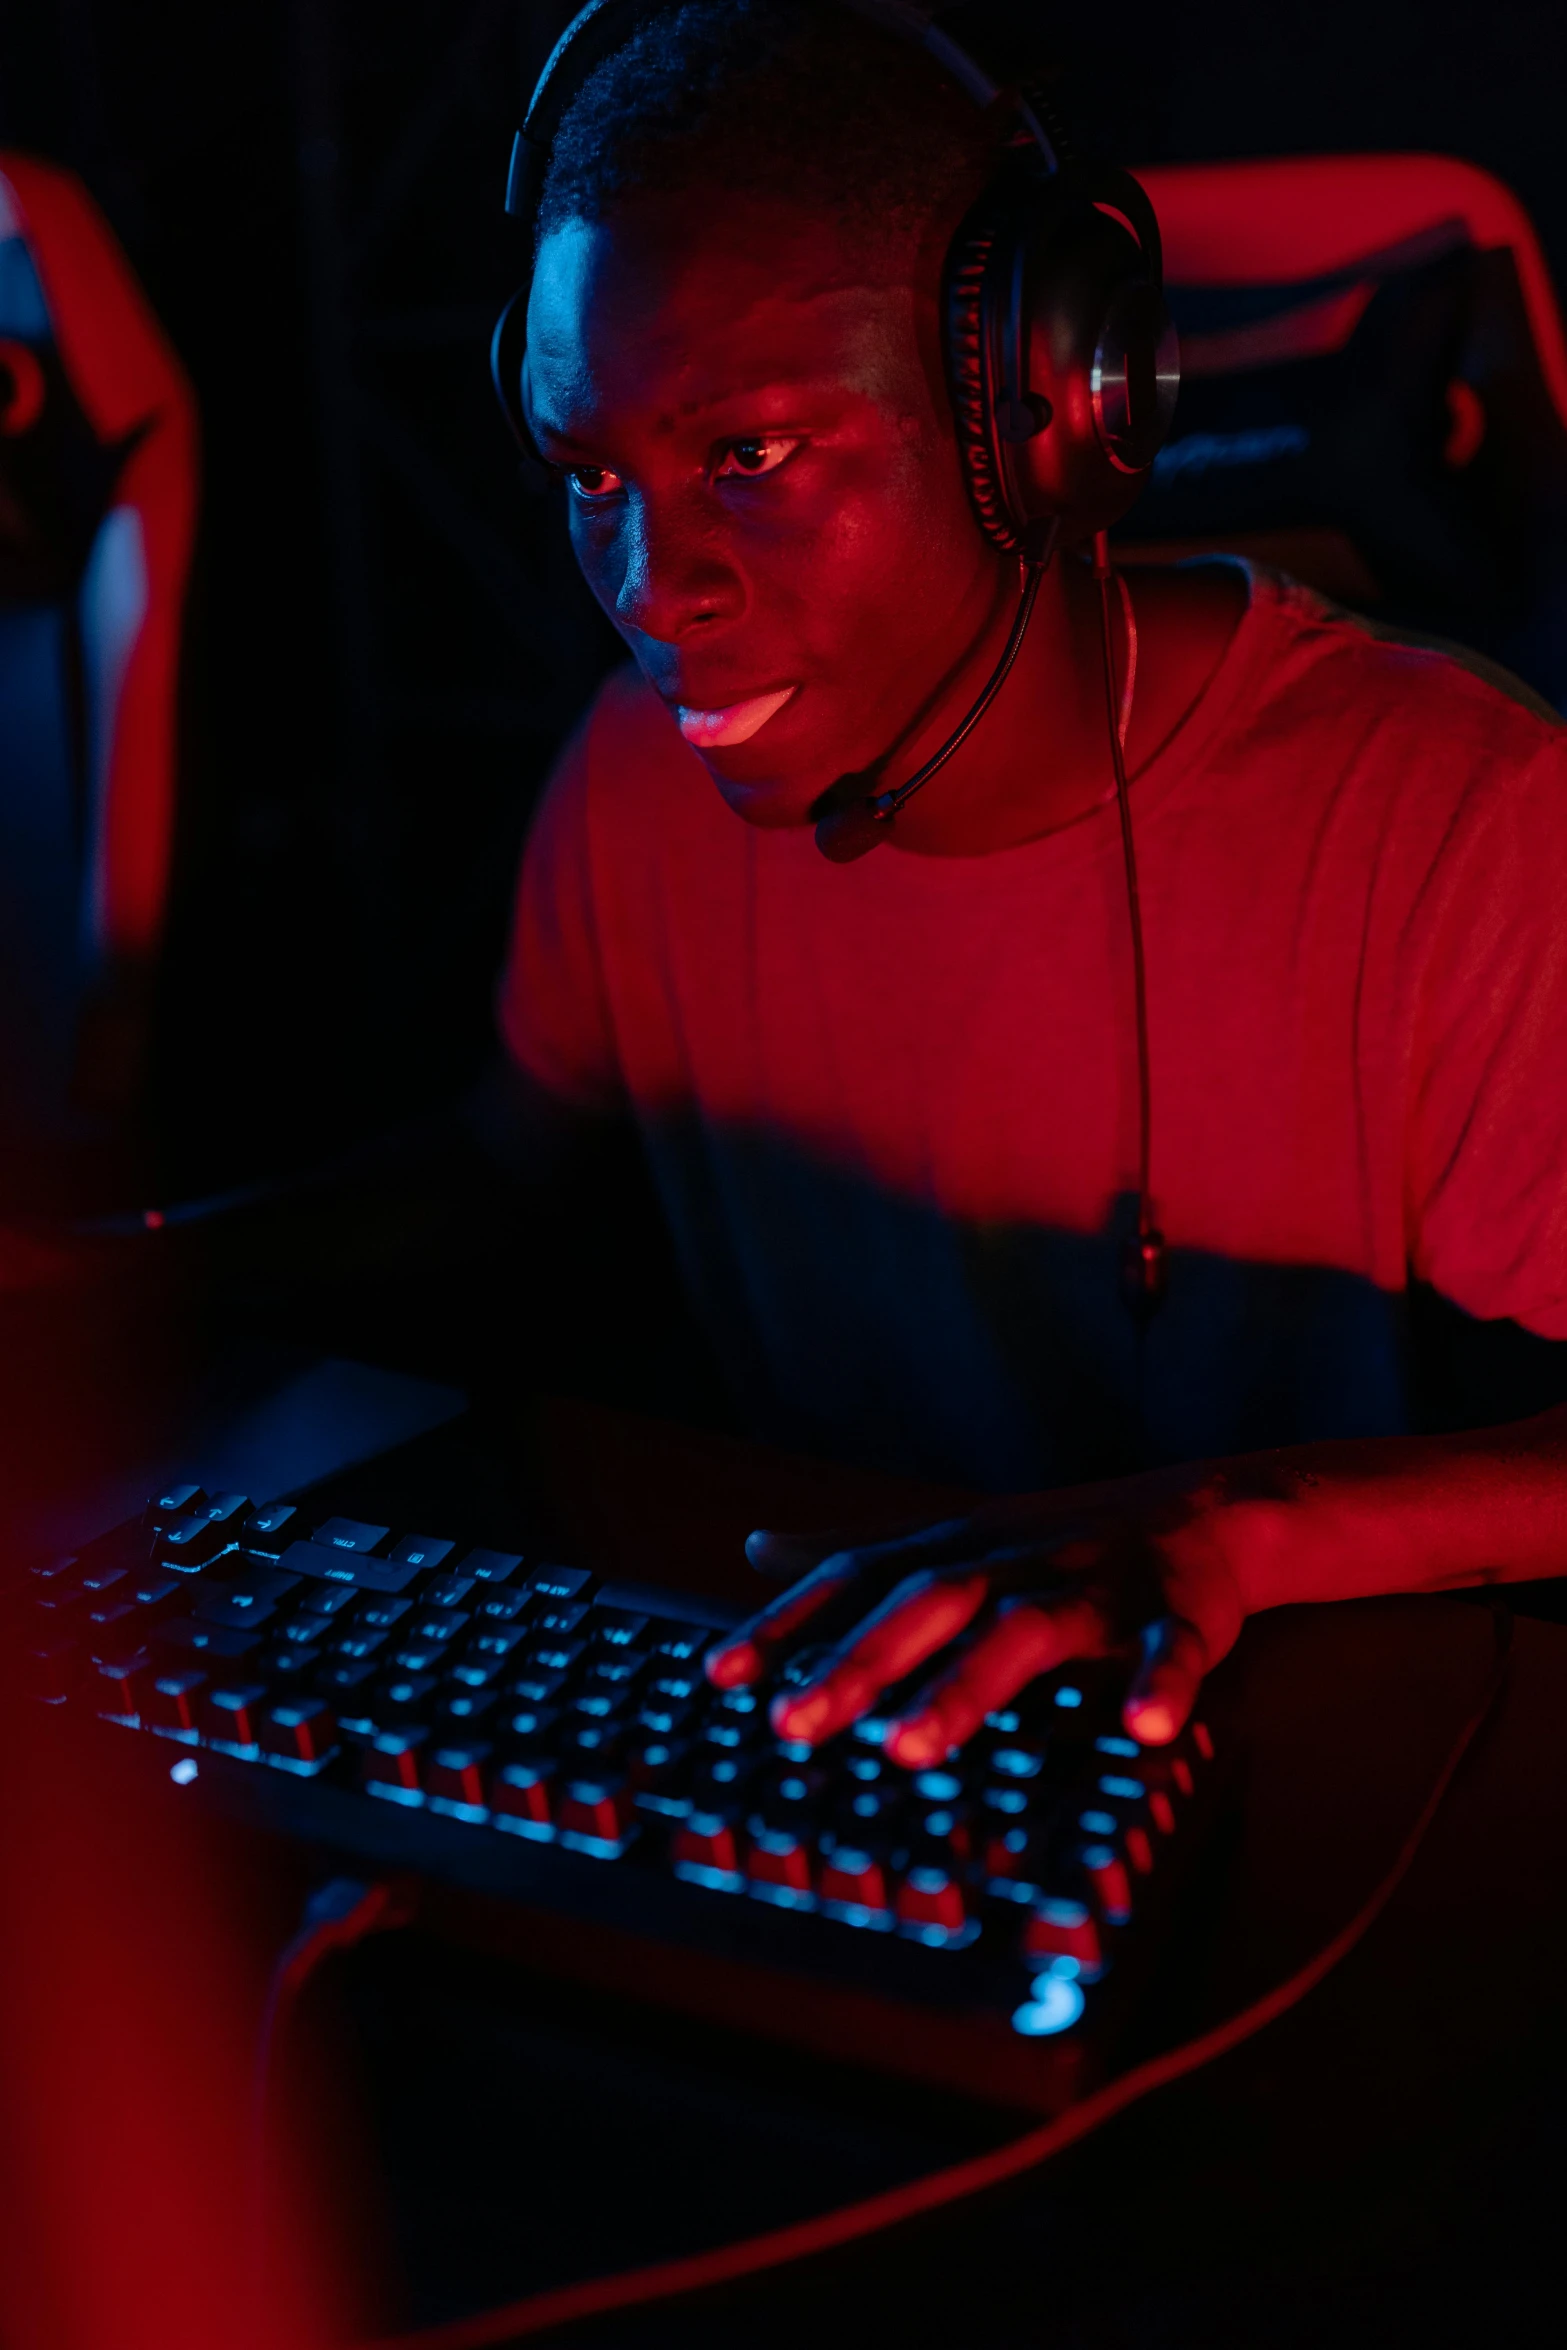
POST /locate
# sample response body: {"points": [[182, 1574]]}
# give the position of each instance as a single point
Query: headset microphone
{"points": [[854, 827]]}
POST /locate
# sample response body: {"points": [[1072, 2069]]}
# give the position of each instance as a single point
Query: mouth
{"points": [[736, 722]]}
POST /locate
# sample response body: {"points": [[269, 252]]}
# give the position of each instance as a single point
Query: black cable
{"points": [[845, 833]]}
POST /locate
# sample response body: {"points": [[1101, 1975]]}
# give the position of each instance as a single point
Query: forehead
{"points": [[668, 309]]}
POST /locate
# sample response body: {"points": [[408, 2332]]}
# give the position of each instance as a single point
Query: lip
{"points": [[733, 722]]}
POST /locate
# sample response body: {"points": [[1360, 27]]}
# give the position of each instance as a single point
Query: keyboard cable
{"points": [[337, 1914], [749, 2256]]}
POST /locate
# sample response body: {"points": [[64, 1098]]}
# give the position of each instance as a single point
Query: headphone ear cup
{"points": [[971, 268], [1061, 361]]}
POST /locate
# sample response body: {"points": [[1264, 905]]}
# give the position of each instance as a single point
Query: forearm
{"points": [[1387, 1514]]}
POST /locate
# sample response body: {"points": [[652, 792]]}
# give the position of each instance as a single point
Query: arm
{"points": [[1172, 1562]]}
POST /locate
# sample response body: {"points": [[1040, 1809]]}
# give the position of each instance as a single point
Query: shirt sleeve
{"points": [[552, 1008], [1487, 1195]]}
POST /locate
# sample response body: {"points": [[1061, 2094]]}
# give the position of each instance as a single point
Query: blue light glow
{"points": [[938, 1786], [1126, 1790], [1015, 1762], [184, 1770], [1128, 1747], [1057, 2011], [1097, 1823], [1070, 1698]]}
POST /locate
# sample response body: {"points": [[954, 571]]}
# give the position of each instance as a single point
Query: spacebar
{"points": [[347, 1566]]}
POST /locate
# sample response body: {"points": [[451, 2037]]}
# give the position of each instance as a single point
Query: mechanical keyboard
{"points": [[543, 1748]]}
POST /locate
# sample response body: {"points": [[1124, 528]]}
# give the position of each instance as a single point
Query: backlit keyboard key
{"points": [[777, 1861], [551, 1582], [857, 1880], [175, 1501], [300, 1730], [173, 1702], [352, 1534], [390, 1763], [490, 1566], [420, 1550], [379, 1615], [594, 1811], [455, 1774], [231, 1712], [450, 1590], [332, 1563], [705, 1842], [119, 1682], [182, 1637], [930, 1899], [520, 1796], [329, 1599], [189, 1542], [270, 1528]]}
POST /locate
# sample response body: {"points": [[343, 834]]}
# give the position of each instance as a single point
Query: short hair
{"points": [[795, 98]]}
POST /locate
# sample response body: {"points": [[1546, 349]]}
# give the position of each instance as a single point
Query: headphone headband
{"points": [[1061, 358]]}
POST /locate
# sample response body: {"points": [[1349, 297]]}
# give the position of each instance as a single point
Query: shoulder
{"points": [[1356, 668]]}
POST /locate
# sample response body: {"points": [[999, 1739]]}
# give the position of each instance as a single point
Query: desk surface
{"points": [[1385, 2164]]}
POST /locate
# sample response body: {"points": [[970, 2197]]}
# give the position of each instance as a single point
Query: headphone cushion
{"points": [[968, 369]]}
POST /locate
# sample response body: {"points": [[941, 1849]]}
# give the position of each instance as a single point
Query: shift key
{"points": [[331, 1565]]}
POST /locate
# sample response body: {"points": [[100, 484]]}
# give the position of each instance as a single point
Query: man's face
{"points": [[765, 493]]}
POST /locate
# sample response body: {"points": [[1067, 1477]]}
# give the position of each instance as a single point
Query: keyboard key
{"points": [[584, 1745], [681, 1643], [52, 1666], [530, 1724], [594, 1810], [358, 1644], [705, 1842], [188, 1543], [119, 1682], [1109, 1883], [100, 1577], [450, 1590], [231, 1712], [462, 1706], [253, 1600], [555, 1582], [490, 1566], [616, 1628], [438, 1623], [352, 1534], [182, 1637], [288, 1659], [537, 1685], [390, 1762], [342, 1682], [104, 1626], [329, 1599], [777, 1861], [857, 1880], [149, 1588], [379, 1615], [1064, 1929], [299, 1730], [329, 1563], [555, 1656], [227, 1510], [420, 1550], [269, 1528], [456, 1773], [501, 1607], [931, 1898], [175, 1501], [405, 1691], [173, 1703], [422, 1656], [492, 1647], [520, 1795], [557, 1619]]}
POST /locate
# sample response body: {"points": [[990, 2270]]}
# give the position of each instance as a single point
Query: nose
{"points": [[673, 575]]}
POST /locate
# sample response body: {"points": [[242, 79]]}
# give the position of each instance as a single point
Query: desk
{"points": [[1384, 2165]]}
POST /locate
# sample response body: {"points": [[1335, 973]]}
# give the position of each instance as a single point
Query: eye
{"points": [[593, 483], [747, 459]]}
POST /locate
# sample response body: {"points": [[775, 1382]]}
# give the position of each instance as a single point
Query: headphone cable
{"points": [[1143, 1266]]}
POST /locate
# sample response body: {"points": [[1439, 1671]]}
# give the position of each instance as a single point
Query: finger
{"points": [[788, 1556], [1027, 1640], [1165, 1687], [919, 1617], [748, 1651]]}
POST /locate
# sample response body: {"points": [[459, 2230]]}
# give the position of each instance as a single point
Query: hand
{"points": [[1153, 1568]]}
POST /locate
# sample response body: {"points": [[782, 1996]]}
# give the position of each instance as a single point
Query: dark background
{"points": [[388, 637]]}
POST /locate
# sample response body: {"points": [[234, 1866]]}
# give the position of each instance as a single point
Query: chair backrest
{"points": [[98, 492], [1374, 393]]}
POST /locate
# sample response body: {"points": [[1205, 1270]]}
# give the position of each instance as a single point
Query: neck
{"points": [[1040, 756]]}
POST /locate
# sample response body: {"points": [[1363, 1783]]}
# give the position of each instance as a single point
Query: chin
{"points": [[772, 802]]}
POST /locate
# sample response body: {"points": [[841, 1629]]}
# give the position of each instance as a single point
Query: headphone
{"points": [[1062, 368], [1061, 359]]}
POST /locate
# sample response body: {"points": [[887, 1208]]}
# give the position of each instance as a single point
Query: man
{"points": [[891, 1108]]}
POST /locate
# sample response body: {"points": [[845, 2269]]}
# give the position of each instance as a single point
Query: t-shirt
{"points": [[890, 1108]]}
